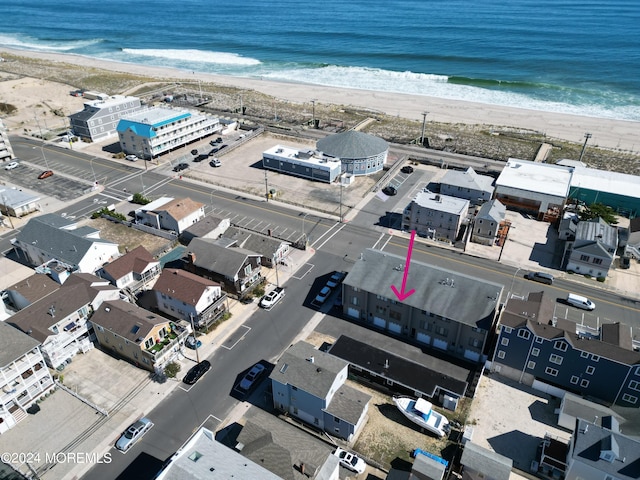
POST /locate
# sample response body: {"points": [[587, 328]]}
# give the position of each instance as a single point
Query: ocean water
{"points": [[570, 56]]}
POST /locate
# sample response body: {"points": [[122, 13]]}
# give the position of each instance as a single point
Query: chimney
{"points": [[191, 256], [302, 468]]}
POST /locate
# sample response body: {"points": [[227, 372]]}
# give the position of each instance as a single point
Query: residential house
{"points": [[568, 226], [271, 250], [99, 118], [184, 295], [18, 203], [593, 250], [60, 321], [487, 222], [435, 216], [24, 377], [479, 463], [53, 237], [535, 348], [171, 214], [147, 340], [236, 269], [158, 130], [310, 385], [133, 270], [30, 290], [602, 451], [632, 248], [209, 227], [468, 185], [574, 406], [449, 311]]}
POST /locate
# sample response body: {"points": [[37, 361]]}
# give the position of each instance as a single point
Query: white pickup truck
{"points": [[270, 299]]}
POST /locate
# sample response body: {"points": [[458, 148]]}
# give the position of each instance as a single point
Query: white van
{"points": [[580, 302]]}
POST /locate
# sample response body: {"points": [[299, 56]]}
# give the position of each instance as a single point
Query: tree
{"points": [[596, 210], [172, 369]]}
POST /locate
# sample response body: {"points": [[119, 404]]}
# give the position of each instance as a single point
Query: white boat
{"points": [[421, 413]]}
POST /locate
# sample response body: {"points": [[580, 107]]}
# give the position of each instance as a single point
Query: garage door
{"points": [[441, 344], [395, 327], [424, 338], [379, 322], [353, 312], [471, 355]]}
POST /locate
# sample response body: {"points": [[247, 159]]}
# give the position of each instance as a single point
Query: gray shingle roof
{"points": [[182, 285], [437, 290], [216, 258], [262, 244], [468, 179], [493, 210], [14, 344], [348, 404], [492, 464], [352, 144], [127, 320], [315, 377]]}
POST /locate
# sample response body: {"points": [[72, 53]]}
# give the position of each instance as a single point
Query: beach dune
{"points": [[606, 133]]}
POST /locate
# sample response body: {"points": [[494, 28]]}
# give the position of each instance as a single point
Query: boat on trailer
{"points": [[421, 412]]}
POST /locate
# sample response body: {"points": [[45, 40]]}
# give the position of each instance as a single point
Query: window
{"points": [[551, 371], [597, 261], [336, 419], [584, 383], [531, 365], [505, 342], [574, 380], [354, 301], [535, 352], [475, 342], [557, 359], [590, 370], [195, 456], [584, 354], [634, 385], [560, 345], [524, 333], [629, 398], [501, 354], [507, 329], [595, 358], [539, 339], [100, 329], [584, 258], [442, 331]]}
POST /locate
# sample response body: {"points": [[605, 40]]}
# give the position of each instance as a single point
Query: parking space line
{"points": [[385, 243], [378, 241], [239, 339], [310, 265]]}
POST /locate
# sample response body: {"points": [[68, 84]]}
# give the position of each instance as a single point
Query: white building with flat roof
{"points": [[157, 130], [435, 216], [308, 163], [540, 189]]}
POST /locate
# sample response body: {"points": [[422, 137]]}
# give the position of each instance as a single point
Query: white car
{"points": [[350, 461], [270, 299], [250, 378], [133, 434], [323, 295], [131, 158], [11, 166]]}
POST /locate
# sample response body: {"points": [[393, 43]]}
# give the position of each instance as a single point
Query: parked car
{"points": [[192, 343], [270, 299], [215, 162], [11, 166], [131, 158], [134, 433], [580, 302], [336, 279], [219, 140], [541, 277], [45, 174], [323, 295], [350, 461], [390, 190], [407, 169], [222, 146], [251, 377], [180, 167], [197, 371], [625, 262], [194, 152]]}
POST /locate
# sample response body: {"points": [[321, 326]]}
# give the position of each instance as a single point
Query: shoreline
{"points": [[605, 132]]}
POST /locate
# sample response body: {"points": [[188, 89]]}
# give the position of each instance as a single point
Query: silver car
{"points": [[133, 434]]}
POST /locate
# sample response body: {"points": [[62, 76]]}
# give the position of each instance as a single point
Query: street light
{"points": [[304, 215], [513, 279], [95, 181], [587, 136]]}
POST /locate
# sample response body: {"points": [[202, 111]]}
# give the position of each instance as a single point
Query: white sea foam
{"points": [[199, 56], [29, 43]]}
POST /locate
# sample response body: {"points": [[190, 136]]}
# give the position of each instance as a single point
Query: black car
{"points": [[195, 372], [213, 152], [219, 140], [180, 167], [199, 158], [222, 146], [194, 152], [389, 190], [407, 169], [625, 262]]}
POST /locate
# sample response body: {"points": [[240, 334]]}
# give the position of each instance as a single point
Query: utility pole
{"points": [[340, 178], [266, 186], [313, 115], [277, 279], [587, 136], [195, 339], [424, 123]]}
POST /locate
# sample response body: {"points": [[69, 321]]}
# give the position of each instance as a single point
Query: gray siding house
{"points": [[593, 250], [534, 346], [449, 311], [435, 216], [310, 385], [99, 118], [487, 222], [467, 185]]}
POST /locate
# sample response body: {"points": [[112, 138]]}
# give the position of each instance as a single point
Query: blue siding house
{"points": [[534, 346], [310, 385]]}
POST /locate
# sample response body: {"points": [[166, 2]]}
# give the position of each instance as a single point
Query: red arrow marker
{"points": [[402, 294]]}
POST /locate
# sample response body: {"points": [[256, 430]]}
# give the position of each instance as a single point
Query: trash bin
{"points": [[33, 409]]}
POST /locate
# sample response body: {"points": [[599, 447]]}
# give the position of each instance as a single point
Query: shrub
{"points": [[140, 199], [172, 369], [111, 213], [601, 279]]}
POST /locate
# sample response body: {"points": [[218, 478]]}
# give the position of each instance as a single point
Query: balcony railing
{"points": [[167, 343]]}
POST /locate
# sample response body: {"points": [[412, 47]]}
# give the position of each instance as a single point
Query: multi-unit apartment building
{"points": [[435, 216], [534, 346], [100, 117], [468, 185], [157, 130], [449, 311]]}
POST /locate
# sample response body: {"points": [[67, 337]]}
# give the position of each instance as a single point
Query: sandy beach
{"points": [[607, 133]]}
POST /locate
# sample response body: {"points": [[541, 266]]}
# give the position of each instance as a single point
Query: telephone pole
{"points": [[587, 136], [424, 124]]}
